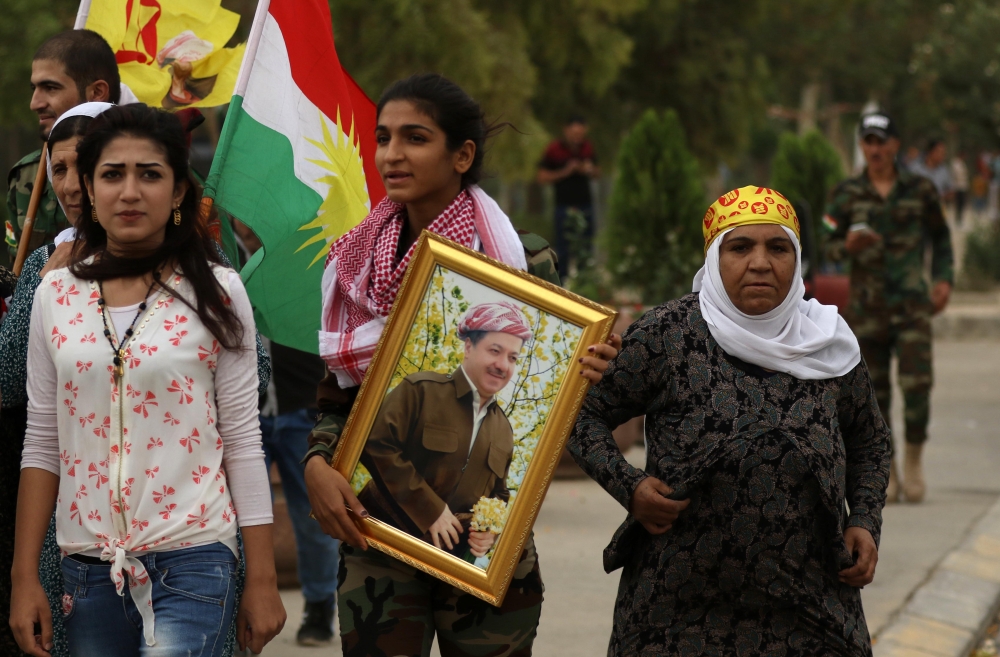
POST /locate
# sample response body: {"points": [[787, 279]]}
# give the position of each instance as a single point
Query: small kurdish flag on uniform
{"points": [[295, 162], [829, 223]]}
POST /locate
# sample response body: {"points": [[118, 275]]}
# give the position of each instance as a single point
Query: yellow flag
{"points": [[171, 53]]}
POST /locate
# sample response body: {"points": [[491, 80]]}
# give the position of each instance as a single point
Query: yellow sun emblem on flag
{"points": [[346, 202]]}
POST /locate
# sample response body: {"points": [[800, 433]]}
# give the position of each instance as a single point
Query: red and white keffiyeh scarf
{"points": [[362, 277]]}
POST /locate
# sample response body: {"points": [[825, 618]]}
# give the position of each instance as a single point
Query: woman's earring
{"points": [[93, 213], [177, 216]]}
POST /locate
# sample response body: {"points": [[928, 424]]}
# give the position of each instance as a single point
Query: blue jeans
{"points": [[286, 439], [194, 592]]}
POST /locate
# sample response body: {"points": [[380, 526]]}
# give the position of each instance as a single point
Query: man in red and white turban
{"points": [[494, 334], [440, 442], [502, 316]]}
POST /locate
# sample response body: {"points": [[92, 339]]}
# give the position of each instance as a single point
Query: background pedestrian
{"points": [[569, 164], [960, 185]]}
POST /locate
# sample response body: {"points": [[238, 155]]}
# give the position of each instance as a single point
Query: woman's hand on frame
{"points": [[596, 363], [330, 495], [29, 606], [651, 507], [862, 547]]}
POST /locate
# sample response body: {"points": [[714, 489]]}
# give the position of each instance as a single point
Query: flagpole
{"points": [[250, 54], [229, 127], [81, 15], [29, 219]]}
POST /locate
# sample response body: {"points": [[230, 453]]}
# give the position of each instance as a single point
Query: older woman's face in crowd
{"points": [[134, 193], [65, 181], [757, 264]]}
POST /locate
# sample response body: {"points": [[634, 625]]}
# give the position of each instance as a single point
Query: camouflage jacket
{"points": [[542, 260], [893, 270], [50, 220], [334, 403]]}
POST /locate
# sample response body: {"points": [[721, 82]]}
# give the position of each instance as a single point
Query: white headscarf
{"points": [[127, 97], [802, 338], [90, 109]]}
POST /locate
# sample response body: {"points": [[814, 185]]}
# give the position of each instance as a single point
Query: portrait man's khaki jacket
{"points": [[419, 446]]}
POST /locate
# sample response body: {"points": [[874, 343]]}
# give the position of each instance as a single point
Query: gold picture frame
{"points": [[588, 322]]}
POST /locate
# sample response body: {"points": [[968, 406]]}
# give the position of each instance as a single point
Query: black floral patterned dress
{"points": [[768, 462]]}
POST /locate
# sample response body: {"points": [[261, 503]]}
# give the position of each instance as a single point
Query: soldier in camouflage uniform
{"points": [[882, 223], [68, 69], [390, 607], [49, 220]]}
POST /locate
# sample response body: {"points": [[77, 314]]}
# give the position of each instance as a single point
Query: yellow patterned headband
{"points": [[747, 206]]}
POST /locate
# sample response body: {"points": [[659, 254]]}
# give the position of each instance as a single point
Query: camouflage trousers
{"points": [[387, 609], [905, 330]]}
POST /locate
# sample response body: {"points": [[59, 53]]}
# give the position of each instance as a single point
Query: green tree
{"points": [[953, 76], [694, 56], [521, 60], [806, 169], [982, 258], [578, 48], [851, 49], [826, 59], [654, 239]]}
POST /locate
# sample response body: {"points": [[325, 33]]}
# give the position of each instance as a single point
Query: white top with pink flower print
{"points": [[141, 461]]}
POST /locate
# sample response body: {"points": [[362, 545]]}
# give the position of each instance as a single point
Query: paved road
{"points": [[963, 457]]}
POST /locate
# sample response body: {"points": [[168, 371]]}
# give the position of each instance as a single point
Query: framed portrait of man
{"points": [[464, 412]]}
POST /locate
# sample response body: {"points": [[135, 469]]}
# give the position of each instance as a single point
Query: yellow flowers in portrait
{"points": [[489, 515]]}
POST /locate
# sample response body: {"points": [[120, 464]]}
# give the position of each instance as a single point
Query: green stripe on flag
{"points": [[285, 293], [253, 178]]}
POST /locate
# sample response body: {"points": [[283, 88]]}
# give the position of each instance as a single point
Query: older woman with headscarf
{"points": [[62, 175], [760, 424]]}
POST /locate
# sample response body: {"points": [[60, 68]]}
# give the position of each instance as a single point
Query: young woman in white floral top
{"points": [[142, 419]]}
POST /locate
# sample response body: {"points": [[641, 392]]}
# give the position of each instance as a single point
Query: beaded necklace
{"points": [[119, 350]]}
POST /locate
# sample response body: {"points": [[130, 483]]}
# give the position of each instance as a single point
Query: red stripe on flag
{"points": [[307, 29], [366, 118]]}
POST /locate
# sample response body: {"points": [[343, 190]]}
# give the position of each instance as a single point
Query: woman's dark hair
{"points": [[74, 126], [189, 245], [458, 114]]}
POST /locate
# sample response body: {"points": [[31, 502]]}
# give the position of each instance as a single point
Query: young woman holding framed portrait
{"points": [[431, 143]]}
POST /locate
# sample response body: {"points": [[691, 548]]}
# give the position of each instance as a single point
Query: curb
{"points": [[948, 614], [967, 324]]}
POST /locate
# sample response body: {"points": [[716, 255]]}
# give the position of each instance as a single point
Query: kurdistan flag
{"points": [[171, 53], [295, 162]]}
